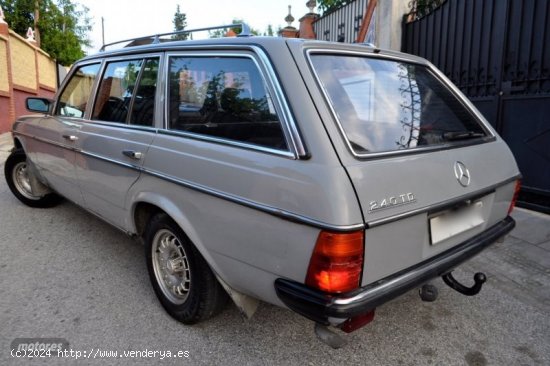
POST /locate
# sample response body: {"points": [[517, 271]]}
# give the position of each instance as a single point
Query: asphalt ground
{"points": [[66, 274]]}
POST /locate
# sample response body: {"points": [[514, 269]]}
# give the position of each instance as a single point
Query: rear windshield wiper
{"points": [[461, 135]]}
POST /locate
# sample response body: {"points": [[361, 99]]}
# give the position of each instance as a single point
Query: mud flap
{"points": [[247, 305], [37, 187]]}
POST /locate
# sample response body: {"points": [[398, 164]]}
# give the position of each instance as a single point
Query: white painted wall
{"points": [[389, 18]]}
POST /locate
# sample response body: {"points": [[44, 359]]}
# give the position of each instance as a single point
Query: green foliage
{"points": [[180, 22], [64, 30], [329, 5], [19, 14], [269, 31], [424, 7], [63, 25]]}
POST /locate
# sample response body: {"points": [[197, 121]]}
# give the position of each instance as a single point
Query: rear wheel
{"points": [[181, 278], [18, 177]]}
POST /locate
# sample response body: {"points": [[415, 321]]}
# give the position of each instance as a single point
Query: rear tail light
{"points": [[337, 262], [515, 198]]}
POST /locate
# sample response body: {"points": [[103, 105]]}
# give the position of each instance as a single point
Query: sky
{"points": [[134, 18]]}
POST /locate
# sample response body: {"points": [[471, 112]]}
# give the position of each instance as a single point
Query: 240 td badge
{"points": [[391, 202]]}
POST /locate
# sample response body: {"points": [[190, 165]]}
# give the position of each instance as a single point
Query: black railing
{"points": [[342, 25], [421, 8], [498, 53]]}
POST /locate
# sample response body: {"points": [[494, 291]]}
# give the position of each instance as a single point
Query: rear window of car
{"points": [[383, 105]]}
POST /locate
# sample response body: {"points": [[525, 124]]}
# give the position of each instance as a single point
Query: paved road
{"points": [[64, 273]]}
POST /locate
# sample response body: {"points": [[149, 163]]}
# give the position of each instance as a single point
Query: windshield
{"points": [[385, 105]]}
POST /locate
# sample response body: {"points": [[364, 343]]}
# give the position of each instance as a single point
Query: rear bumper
{"points": [[320, 306]]}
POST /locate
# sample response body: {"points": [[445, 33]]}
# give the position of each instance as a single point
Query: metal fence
{"points": [[342, 25], [498, 53]]}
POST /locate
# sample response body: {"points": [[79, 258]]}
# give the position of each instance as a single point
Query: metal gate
{"points": [[342, 24], [498, 53]]}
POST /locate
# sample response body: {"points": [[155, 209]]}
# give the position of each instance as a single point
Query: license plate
{"points": [[451, 223]]}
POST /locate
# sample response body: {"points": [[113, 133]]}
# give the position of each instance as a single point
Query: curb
{"points": [[6, 142]]}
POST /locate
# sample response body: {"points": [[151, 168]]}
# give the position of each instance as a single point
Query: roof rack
{"points": [[245, 32]]}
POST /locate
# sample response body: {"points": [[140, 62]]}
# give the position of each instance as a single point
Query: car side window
{"points": [[143, 106], [223, 97], [75, 96], [127, 92]]}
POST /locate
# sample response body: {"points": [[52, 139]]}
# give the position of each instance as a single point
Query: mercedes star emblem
{"points": [[462, 174]]}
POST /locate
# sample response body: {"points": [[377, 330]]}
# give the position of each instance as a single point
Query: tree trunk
{"points": [[36, 18]]}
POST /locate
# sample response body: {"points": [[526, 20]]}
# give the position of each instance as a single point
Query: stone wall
{"points": [[25, 70]]}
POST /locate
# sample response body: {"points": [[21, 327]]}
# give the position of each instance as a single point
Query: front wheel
{"points": [[18, 177], [181, 278]]}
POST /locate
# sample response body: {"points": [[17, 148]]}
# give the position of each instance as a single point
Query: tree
{"points": [[63, 26], [64, 30], [269, 31], [329, 5], [19, 14], [180, 22]]}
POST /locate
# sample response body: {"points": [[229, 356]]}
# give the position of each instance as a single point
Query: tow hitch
{"points": [[428, 292], [479, 279]]}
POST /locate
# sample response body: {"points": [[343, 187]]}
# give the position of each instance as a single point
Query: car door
{"points": [[57, 134], [111, 145]]}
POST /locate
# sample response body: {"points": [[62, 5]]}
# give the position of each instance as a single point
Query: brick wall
{"points": [[25, 70]]}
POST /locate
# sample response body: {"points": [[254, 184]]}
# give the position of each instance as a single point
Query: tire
{"points": [[16, 173], [181, 278]]}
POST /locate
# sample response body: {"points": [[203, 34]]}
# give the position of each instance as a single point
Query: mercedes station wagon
{"points": [[326, 178]]}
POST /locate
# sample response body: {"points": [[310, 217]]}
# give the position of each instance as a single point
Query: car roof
{"points": [[263, 42]]}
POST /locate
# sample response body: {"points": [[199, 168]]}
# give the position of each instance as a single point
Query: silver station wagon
{"points": [[326, 178]]}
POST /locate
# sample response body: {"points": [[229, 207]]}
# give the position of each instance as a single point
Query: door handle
{"points": [[70, 137], [132, 154]]}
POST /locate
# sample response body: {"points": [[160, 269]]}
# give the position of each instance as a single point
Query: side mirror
{"points": [[40, 105]]}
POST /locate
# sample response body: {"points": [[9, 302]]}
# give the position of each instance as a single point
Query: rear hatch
{"points": [[428, 171]]}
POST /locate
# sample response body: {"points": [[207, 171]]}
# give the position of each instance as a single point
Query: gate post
{"points": [[389, 19]]}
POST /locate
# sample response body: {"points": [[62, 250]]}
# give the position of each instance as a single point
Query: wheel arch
{"points": [[142, 213], [148, 204], [17, 144]]}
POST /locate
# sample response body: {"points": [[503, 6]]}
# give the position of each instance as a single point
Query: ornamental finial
{"points": [[289, 18], [2, 17], [30, 35], [311, 4]]}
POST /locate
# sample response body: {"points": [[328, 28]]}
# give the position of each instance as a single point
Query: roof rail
{"points": [[245, 32], [375, 48]]}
